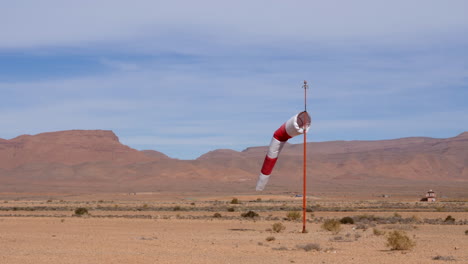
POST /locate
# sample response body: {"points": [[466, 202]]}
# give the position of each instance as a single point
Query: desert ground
{"points": [[175, 228]]}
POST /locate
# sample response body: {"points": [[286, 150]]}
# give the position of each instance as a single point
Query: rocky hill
{"points": [[95, 161]]}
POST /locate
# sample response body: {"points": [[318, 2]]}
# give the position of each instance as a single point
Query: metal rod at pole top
{"points": [[305, 86]]}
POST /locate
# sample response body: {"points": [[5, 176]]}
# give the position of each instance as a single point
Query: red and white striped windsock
{"points": [[293, 127]]}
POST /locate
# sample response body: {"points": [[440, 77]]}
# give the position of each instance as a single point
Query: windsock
{"points": [[296, 125]]}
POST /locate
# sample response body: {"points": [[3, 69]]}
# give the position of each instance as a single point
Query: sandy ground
{"points": [[61, 238], [49, 240]]}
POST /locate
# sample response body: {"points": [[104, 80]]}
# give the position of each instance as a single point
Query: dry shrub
{"points": [[332, 225], [270, 238], [80, 211], [378, 232], [250, 214], [415, 219], [449, 219], [347, 220], [309, 247], [231, 209], [278, 227], [444, 258], [217, 215], [282, 248], [293, 215], [398, 240], [235, 201], [466, 232]]}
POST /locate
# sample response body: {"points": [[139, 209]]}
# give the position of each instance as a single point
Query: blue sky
{"points": [[187, 77]]}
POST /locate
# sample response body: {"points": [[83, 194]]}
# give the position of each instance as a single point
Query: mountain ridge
{"points": [[96, 160]]}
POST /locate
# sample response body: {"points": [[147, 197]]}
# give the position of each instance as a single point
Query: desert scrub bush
{"points": [[217, 215], [415, 219], [249, 214], [309, 247], [347, 220], [293, 215], [444, 258], [231, 209], [259, 199], [80, 211], [378, 232], [449, 219], [270, 238], [398, 240], [177, 208], [235, 201], [366, 218], [466, 232], [278, 227], [332, 225]]}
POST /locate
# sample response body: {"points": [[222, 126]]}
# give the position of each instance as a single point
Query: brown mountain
{"points": [[95, 160]]}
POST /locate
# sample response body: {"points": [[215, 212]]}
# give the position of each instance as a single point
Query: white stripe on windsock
{"points": [[275, 148], [262, 181]]}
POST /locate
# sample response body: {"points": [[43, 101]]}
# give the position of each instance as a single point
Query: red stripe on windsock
{"points": [[281, 134], [268, 165]]}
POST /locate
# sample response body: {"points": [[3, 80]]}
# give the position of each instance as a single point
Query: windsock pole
{"points": [[304, 200]]}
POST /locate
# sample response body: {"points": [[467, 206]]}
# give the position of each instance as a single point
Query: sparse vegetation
{"points": [[80, 211], [270, 238], [293, 215], [278, 227], [217, 215], [332, 225], [466, 232], [259, 199], [310, 247], [282, 248], [250, 214], [177, 208], [235, 201], [398, 240], [231, 209], [445, 258], [449, 219], [378, 232], [347, 220]]}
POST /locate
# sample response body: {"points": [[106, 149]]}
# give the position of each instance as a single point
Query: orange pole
{"points": [[304, 200]]}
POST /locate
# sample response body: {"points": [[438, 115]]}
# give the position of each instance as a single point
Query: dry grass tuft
{"points": [[278, 227], [332, 225], [398, 240], [293, 215], [378, 232]]}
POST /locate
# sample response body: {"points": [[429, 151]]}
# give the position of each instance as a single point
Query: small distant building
{"points": [[430, 197]]}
